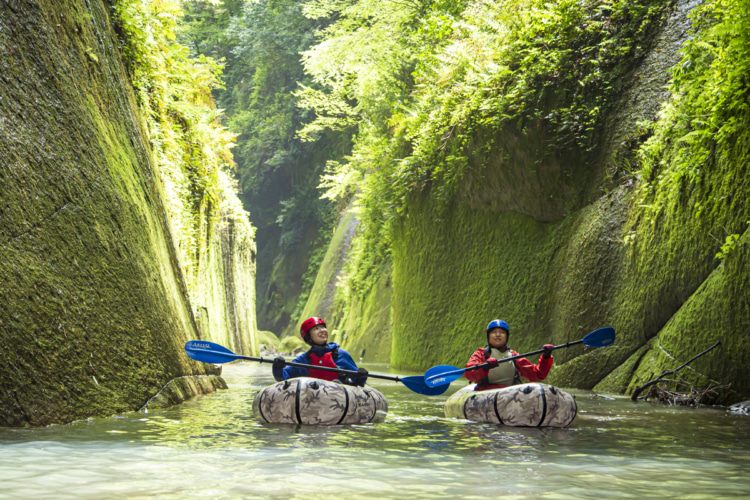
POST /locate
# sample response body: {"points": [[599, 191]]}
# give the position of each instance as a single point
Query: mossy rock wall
{"points": [[225, 286], [714, 313], [366, 331], [356, 323], [320, 302], [94, 311], [181, 389], [452, 278], [599, 257], [284, 282]]}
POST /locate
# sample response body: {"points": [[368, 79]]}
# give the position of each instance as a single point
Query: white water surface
{"points": [[212, 447]]}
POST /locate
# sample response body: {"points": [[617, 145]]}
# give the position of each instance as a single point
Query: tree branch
{"points": [[638, 390]]}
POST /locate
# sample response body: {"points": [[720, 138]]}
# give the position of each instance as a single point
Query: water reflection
{"points": [[212, 446]]}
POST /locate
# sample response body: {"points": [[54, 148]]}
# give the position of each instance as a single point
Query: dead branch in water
{"points": [[648, 384], [685, 394]]}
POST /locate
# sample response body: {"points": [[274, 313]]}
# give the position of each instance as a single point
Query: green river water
{"points": [[212, 447]]}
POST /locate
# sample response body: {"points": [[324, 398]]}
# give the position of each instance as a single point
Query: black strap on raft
{"points": [[260, 405], [346, 406], [497, 413], [467, 402], [544, 405], [296, 401]]}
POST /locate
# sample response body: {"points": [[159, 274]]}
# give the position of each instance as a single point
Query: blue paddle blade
{"points": [[417, 384], [442, 375], [208, 352], [600, 338]]}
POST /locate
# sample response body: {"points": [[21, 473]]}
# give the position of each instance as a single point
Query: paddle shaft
{"points": [[512, 358], [303, 365]]}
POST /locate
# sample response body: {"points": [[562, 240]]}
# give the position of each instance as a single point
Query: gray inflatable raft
{"points": [[526, 405], [318, 402]]}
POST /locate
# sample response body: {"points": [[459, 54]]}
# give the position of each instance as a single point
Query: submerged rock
{"points": [[743, 407]]}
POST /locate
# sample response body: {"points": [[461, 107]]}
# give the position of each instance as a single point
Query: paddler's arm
{"points": [[281, 374], [476, 359], [532, 372], [345, 361]]}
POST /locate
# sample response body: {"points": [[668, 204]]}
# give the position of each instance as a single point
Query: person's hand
{"points": [[361, 377], [493, 362], [547, 351], [279, 363]]}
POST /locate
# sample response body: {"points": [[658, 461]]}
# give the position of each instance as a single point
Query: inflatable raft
{"points": [[526, 405], [318, 402]]}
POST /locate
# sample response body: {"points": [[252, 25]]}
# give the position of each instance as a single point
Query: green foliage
{"points": [[515, 63], [706, 119], [362, 62], [428, 83], [268, 339], [260, 43], [700, 141], [191, 147], [728, 246]]}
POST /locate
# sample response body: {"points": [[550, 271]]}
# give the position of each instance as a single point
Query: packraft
{"points": [[525, 405], [306, 400]]}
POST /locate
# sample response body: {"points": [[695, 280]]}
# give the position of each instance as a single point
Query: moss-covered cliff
{"points": [[560, 240], [362, 323], [95, 308], [641, 260]]}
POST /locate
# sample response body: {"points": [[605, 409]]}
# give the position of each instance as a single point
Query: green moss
{"points": [[268, 339], [321, 299], [94, 311], [716, 312], [356, 323], [367, 326], [223, 292], [291, 344], [181, 389], [455, 273], [619, 379]]}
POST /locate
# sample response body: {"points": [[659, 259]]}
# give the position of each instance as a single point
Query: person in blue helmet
{"points": [[501, 375], [322, 353]]}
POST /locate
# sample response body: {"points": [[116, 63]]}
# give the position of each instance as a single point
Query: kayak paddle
{"points": [[209, 352], [445, 374]]}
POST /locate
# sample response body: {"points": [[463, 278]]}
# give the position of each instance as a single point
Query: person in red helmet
{"points": [[322, 353], [504, 374]]}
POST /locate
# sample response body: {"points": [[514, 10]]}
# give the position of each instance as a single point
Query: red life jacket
{"points": [[325, 360]]}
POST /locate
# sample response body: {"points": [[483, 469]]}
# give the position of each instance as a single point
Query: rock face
{"points": [[560, 245], [365, 325], [743, 407], [94, 309], [598, 257], [183, 388]]}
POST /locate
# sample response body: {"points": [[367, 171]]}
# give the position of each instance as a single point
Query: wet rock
{"points": [[268, 351], [181, 389], [743, 407]]}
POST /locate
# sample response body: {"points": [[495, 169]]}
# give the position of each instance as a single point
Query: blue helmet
{"points": [[498, 323]]}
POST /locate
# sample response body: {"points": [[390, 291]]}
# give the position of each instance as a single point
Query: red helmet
{"points": [[308, 324]]}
